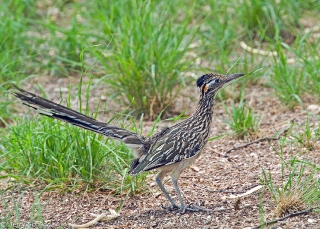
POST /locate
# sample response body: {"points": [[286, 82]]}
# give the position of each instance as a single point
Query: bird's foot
{"points": [[171, 208], [183, 209], [192, 208]]}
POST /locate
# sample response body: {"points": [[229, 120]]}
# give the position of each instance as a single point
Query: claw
{"points": [[183, 209], [171, 208], [193, 208]]}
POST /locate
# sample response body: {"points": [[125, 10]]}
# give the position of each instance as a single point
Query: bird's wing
{"points": [[176, 145]]}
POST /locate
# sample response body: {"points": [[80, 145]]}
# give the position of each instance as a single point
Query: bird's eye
{"points": [[213, 81], [217, 80], [209, 84]]}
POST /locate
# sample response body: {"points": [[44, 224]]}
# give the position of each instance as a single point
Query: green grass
{"points": [[289, 83], [298, 186], [143, 54], [10, 217], [299, 189], [145, 58], [242, 119], [15, 51], [308, 136], [311, 66], [264, 18], [292, 82], [59, 154], [219, 33], [46, 150]]}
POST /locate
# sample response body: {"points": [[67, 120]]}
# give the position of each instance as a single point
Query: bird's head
{"points": [[211, 83]]}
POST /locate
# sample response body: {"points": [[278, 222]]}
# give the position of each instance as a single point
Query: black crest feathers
{"points": [[203, 79]]}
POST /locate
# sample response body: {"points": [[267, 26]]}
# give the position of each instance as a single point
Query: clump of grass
{"points": [[311, 67], [299, 188], [59, 154], [289, 202], [315, 82], [14, 43], [308, 136], [217, 33], [242, 119], [146, 54], [266, 17], [288, 81], [43, 149], [292, 82], [5, 113], [11, 212], [61, 53]]}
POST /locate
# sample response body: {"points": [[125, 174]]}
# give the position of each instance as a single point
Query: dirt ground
{"points": [[208, 182]]}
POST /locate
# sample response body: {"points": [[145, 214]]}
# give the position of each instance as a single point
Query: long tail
{"points": [[54, 110]]}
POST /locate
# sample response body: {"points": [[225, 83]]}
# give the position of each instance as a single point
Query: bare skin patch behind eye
{"points": [[205, 88]]}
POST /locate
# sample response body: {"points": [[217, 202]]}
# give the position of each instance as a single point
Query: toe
{"points": [[171, 208]]}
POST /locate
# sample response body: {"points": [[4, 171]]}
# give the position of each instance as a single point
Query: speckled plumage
{"points": [[171, 150]]}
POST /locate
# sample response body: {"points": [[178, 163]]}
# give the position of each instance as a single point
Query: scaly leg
{"points": [[183, 208], [159, 179]]}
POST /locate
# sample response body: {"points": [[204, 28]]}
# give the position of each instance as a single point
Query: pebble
{"points": [[314, 108], [62, 89], [312, 220]]}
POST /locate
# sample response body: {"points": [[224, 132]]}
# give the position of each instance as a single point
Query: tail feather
{"points": [[54, 110]]}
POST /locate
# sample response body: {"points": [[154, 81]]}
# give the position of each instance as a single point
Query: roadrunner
{"points": [[170, 151]]}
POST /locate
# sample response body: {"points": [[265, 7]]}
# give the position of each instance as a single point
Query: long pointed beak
{"points": [[230, 79], [233, 77]]}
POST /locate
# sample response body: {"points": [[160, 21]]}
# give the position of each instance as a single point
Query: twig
{"points": [[250, 143], [250, 49], [90, 223], [117, 226], [257, 51], [226, 209], [228, 191], [100, 217], [243, 194], [291, 119], [256, 141], [283, 218], [313, 29]]}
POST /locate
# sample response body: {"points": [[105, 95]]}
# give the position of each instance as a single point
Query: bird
{"points": [[171, 150]]}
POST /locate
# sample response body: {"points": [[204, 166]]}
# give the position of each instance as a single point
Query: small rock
{"points": [[62, 89], [254, 155], [312, 220], [314, 108], [195, 168]]}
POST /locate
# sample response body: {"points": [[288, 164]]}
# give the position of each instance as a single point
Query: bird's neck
{"points": [[205, 107]]}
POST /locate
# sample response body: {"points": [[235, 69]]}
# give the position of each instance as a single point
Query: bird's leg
{"points": [[159, 179], [183, 208]]}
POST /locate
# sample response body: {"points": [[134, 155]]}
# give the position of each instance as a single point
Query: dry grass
{"points": [[289, 202]]}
